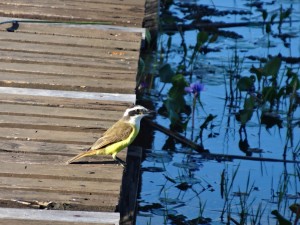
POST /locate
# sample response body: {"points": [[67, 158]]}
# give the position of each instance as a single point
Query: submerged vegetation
{"points": [[224, 102]]}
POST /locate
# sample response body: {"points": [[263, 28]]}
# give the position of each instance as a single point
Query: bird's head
{"points": [[136, 113]]}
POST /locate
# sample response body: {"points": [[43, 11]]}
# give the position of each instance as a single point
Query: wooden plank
{"points": [[39, 222], [40, 48], [53, 136], [60, 112], [80, 2], [90, 6], [104, 87], [62, 70], [62, 186], [57, 40], [105, 32], [64, 102], [77, 61], [118, 15], [69, 94], [61, 216], [59, 201], [113, 2], [84, 172]]}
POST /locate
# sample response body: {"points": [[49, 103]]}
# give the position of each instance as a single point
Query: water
{"points": [[178, 184]]}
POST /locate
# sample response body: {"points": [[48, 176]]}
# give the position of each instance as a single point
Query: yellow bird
{"points": [[119, 136]]}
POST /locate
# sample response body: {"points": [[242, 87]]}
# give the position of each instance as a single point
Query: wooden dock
{"points": [[61, 86]]}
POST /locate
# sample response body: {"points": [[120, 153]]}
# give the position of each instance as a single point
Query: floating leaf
{"points": [[187, 165], [153, 169], [164, 212], [170, 201], [159, 157], [147, 208], [187, 179], [183, 186]]}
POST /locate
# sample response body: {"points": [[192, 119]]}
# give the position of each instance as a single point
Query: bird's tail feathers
{"points": [[84, 154]]}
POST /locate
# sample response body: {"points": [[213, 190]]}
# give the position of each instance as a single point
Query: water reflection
{"points": [[251, 94]]}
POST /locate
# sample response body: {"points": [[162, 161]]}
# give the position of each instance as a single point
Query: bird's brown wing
{"points": [[118, 132]]}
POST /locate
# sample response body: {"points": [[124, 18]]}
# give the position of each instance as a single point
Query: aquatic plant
{"points": [[195, 89]]}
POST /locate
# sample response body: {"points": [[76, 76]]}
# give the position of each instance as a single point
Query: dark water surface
{"points": [[179, 186]]}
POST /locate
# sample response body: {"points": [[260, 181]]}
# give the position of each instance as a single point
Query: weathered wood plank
{"points": [[69, 94], [41, 129], [65, 102], [80, 2], [114, 14], [77, 61], [39, 222], [61, 201], [81, 84], [62, 70], [62, 186], [74, 51], [87, 31], [61, 216], [123, 9], [57, 40], [84, 172], [60, 112], [58, 124]]}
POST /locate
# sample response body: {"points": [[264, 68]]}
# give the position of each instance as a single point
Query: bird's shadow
{"points": [[95, 162]]}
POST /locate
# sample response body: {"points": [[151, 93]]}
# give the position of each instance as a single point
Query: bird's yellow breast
{"points": [[118, 146]]}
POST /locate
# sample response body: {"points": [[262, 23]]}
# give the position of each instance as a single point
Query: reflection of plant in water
{"points": [[245, 204], [273, 93], [180, 190], [175, 103]]}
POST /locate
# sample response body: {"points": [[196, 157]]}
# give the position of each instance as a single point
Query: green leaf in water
{"points": [[166, 73], [257, 72], [280, 218], [246, 83], [177, 90], [269, 94], [213, 38], [202, 37], [245, 114], [249, 103], [272, 67]]}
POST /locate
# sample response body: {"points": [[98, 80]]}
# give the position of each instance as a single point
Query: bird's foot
{"points": [[120, 161]]}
